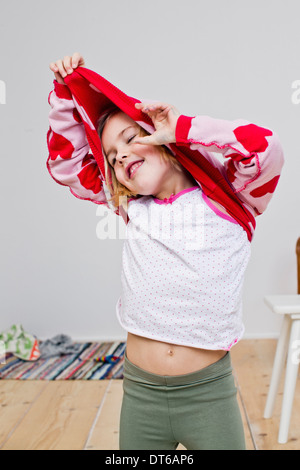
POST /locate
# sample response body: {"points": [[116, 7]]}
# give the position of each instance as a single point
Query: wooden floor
{"points": [[74, 415]]}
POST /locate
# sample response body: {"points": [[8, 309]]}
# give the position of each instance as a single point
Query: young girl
{"points": [[184, 256]]}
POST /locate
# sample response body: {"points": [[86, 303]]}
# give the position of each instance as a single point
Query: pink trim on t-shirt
{"points": [[217, 211], [173, 197], [230, 346]]}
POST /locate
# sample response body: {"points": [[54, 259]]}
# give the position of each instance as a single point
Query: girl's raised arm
{"points": [[70, 162], [253, 155]]}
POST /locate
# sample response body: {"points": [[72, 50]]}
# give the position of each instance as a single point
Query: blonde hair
{"points": [[119, 191]]}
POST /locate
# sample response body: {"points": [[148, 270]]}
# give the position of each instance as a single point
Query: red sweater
{"points": [[243, 183]]}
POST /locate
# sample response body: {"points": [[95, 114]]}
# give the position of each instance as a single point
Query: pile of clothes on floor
{"points": [[26, 346]]}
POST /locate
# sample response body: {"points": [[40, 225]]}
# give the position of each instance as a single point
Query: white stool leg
{"points": [[290, 384], [279, 361]]}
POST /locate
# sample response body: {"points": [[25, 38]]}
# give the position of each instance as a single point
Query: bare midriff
{"points": [[168, 359]]}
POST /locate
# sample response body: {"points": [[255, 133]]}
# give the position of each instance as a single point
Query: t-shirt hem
{"points": [[210, 347]]}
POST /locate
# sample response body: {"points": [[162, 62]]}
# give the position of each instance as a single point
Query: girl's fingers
{"points": [[53, 67], [164, 117], [59, 78], [146, 107], [147, 140], [77, 60], [61, 69], [157, 111], [67, 64]]}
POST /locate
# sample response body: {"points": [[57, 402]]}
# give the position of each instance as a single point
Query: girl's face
{"points": [[139, 167]]}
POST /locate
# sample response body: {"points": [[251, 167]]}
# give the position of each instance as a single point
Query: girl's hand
{"points": [[62, 68], [164, 117]]}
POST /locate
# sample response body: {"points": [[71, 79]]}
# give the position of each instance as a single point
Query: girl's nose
{"points": [[121, 157]]}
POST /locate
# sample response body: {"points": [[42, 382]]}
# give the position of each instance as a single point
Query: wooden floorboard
{"points": [[253, 363], [59, 418], [75, 415], [16, 400], [105, 433]]}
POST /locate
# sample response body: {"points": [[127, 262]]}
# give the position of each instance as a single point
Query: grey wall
{"points": [[228, 59]]}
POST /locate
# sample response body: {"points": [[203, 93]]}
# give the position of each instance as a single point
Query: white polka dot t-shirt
{"points": [[183, 269]]}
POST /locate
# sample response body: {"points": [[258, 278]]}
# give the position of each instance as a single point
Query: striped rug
{"points": [[87, 364]]}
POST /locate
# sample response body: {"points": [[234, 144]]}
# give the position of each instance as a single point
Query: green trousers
{"points": [[198, 410]]}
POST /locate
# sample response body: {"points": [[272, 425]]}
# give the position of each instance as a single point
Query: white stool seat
{"points": [[287, 348], [284, 304]]}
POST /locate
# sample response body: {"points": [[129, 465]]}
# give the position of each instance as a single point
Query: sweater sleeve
{"points": [[253, 156], [70, 162]]}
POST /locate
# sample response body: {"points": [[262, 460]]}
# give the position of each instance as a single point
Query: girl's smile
{"points": [[133, 167]]}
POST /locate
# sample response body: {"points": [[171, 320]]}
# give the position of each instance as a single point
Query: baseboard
{"points": [[261, 336]]}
